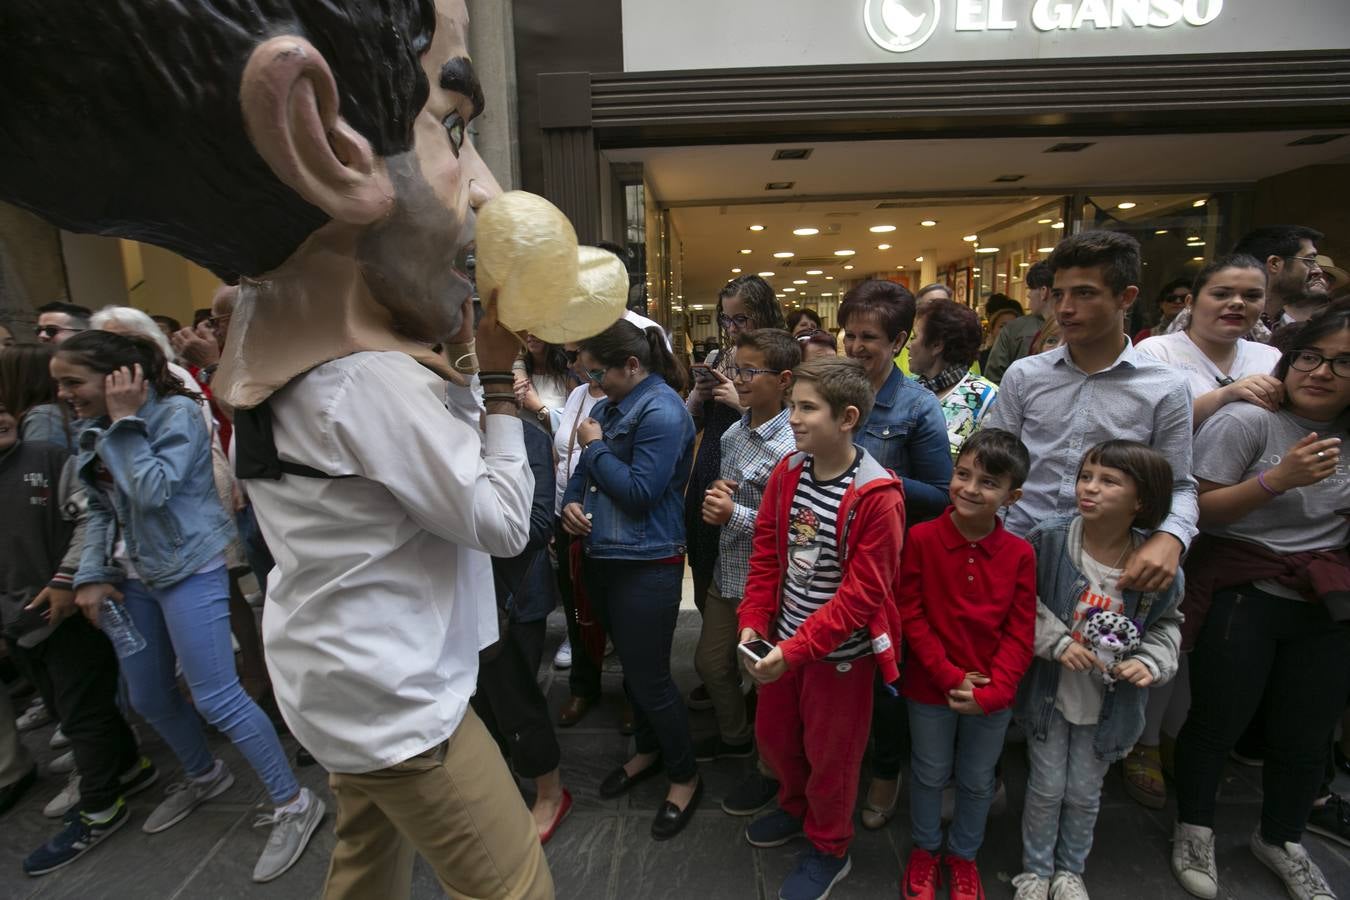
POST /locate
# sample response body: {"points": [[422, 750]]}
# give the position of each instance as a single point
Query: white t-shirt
{"points": [[567, 449], [1180, 352], [1080, 694]]}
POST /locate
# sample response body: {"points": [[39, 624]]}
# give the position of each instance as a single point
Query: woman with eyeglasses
{"points": [[1171, 301], [623, 502], [746, 303], [1266, 610]]}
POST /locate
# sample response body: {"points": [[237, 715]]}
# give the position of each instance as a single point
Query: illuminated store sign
{"points": [[904, 25]]}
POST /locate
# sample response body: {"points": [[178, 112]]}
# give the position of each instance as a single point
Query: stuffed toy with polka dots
{"points": [[1112, 637]]}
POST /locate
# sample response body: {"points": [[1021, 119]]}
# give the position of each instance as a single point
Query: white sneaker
{"points": [[35, 716], [1068, 886], [290, 835], [65, 801], [1031, 887], [183, 797], [59, 740], [63, 764], [1302, 879], [563, 658], [1193, 860]]}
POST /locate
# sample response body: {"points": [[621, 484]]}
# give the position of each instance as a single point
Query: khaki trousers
{"points": [[716, 659], [456, 805]]}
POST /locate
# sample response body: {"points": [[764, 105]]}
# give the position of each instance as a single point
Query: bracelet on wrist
{"points": [[1261, 480]]}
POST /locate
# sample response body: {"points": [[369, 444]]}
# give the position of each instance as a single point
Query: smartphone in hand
{"points": [[755, 650]]}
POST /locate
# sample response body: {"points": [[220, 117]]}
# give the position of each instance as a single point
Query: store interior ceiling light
{"points": [[1045, 249], [779, 185], [736, 271], [805, 232], [928, 223], [844, 252], [1070, 147], [799, 281], [848, 268], [1057, 225], [883, 246], [756, 227], [881, 229], [1127, 204], [1044, 221], [814, 272], [1024, 265], [789, 290], [971, 238], [784, 254], [1161, 231], [986, 249], [918, 259], [1199, 203], [747, 251], [793, 153], [1197, 259], [765, 274], [827, 294], [829, 278]]}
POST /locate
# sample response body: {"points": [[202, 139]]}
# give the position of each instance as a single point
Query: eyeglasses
{"points": [[807, 335], [1176, 298], [51, 331], [740, 321], [1311, 361], [1309, 261], [745, 373], [596, 375]]}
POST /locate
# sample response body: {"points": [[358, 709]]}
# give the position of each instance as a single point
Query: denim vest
{"points": [[636, 515], [1059, 584], [164, 504], [907, 433]]}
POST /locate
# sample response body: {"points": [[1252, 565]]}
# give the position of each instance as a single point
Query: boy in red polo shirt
{"points": [[968, 614]]}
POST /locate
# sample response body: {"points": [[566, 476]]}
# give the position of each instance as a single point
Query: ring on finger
{"points": [[1320, 454]]}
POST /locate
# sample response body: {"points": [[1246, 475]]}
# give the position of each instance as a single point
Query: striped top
{"points": [[814, 572]]}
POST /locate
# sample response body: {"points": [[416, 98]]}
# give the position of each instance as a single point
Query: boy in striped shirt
{"points": [[822, 588]]}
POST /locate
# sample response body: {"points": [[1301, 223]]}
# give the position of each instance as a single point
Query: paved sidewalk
{"points": [[604, 852]]}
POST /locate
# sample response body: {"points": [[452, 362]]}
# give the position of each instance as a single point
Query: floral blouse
{"points": [[965, 406]]}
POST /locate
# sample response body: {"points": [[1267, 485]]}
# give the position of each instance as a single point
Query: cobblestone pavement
{"points": [[603, 851]]}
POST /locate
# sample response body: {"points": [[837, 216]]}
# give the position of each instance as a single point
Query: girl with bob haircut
{"points": [[28, 394], [624, 503], [1080, 712], [1262, 609], [155, 543]]}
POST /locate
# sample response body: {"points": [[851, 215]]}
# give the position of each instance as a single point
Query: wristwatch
{"points": [[542, 415]]}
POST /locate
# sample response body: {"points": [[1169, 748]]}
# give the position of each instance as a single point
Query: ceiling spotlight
{"points": [[783, 254], [828, 294], [736, 271], [1045, 249], [1199, 203], [1197, 259], [829, 278], [799, 281], [844, 252], [971, 238], [881, 229], [848, 267], [814, 272], [986, 249], [918, 259], [883, 246], [789, 290], [1128, 204], [976, 275], [805, 232], [747, 251], [1044, 221], [756, 227], [1161, 231], [1024, 265], [928, 223], [1057, 225], [765, 274]]}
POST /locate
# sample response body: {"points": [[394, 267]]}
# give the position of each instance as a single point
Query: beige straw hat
{"points": [[546, 284]]}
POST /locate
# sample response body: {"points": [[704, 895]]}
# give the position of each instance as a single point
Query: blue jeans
{"points": [[1064, 794], [944, 743], [639, 603], [191, 620]]}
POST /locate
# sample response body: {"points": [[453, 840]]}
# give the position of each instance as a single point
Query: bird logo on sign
{"points": [[901, 25]]}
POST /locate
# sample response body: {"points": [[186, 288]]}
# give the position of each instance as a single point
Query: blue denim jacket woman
{"points": [[164, 504], [631, 482], [1059, 584], [906, 431]]}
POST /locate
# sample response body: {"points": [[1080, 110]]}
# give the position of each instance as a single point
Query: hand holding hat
{"points": [[545, 283]]}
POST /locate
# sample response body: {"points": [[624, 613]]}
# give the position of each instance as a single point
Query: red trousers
{"points": [[812, 726]]}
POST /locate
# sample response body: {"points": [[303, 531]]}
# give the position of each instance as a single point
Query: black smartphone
{"points": [[756, 649]]}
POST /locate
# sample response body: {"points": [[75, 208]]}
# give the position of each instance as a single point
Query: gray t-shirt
{"points": [[1241, 440]]}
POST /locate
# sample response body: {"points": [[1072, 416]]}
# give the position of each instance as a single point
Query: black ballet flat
{"points": [[620, 782], [670, 819]]}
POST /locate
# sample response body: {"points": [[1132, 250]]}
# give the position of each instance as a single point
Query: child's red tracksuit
{"points": [[812, 723]]}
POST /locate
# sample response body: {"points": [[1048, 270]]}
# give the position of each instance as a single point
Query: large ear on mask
{"points": [[290, 104]]}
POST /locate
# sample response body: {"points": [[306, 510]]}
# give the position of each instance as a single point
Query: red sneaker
{"points": [[922, 877], [964, 878]]}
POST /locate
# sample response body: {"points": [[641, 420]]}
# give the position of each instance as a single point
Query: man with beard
{"points": [[318, 154], [1296, 286]]}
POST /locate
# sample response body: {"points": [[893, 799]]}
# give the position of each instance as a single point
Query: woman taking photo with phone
{"points": [[154, 544], [624, 503], [1265, 607]]}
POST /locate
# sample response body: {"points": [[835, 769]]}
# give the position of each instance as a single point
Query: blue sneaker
{"points": [[815, 876], [77, 838], [773, 830]]}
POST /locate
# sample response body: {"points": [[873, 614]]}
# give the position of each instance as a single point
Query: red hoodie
{"points": [[966, 607], [871, 531]]}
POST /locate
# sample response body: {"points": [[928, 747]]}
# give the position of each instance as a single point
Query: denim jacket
{"points": [[164, 502], [1059, 585], [631, 482], [907, 433]]}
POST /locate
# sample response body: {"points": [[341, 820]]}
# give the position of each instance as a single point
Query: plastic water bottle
{"points": [[117, 625]]}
